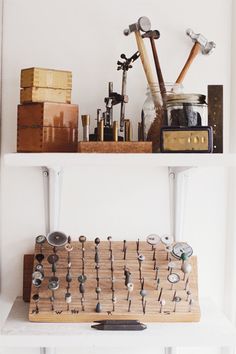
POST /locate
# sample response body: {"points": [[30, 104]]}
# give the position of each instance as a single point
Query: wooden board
{"points": [[61, 313], [40, 77], [28, 264], [115, 147], [38, 94]]}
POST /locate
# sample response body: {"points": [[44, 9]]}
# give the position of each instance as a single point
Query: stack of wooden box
{"points": [[47, 121]]}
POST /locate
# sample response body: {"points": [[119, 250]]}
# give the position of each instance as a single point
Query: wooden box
{"points": [[39, 77], [47, 127], [129, 147], [41, 94]]}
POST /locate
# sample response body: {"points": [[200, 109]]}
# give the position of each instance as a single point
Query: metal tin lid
{"points": [[193, 98]]}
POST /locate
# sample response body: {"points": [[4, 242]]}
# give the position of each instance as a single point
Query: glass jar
{"points": [[149, 113], [186, 110]]}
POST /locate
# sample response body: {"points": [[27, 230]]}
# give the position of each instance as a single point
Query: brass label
{"points": [[185, 140]]}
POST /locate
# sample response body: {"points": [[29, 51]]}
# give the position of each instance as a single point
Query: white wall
{"points": [[86, 37]]}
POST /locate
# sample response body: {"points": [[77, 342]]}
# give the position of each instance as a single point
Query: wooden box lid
{"points": [[40, 77]]}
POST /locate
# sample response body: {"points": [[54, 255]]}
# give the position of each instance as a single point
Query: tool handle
{"points": [[147, 68], [194, 52], [158, 69]]}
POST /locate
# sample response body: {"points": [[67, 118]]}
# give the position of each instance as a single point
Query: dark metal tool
{"points": [[152, 35], [215, 115], [125, 66], [119, 325], [201, 44]]}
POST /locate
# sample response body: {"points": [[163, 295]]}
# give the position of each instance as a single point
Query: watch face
{"points": [[53, 285], [173, 278], [167, 240], [40, 239], [37, 275], [180, 248], [153, 239]]}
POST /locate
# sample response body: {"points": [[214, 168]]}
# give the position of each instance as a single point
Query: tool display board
{"points": [[115, 302]]}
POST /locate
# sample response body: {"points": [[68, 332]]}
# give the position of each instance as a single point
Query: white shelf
{"points": [[79, 159], [214, 329]]}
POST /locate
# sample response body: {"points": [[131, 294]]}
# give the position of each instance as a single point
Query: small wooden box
{"points": [[128, 147], [39, 94], [39, 77], [47, 127]]}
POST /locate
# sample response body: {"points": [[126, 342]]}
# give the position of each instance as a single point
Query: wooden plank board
{"points": [[115, 147], [75, 313], [28, 264]]}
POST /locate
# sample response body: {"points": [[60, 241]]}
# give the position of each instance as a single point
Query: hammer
{"points": [[200, 44], [152, 35], [144, 25]]}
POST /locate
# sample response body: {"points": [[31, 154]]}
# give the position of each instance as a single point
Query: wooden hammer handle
{"points": [[194, 52], [147, 68]]}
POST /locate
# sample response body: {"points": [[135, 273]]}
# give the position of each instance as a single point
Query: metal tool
{"points": [[127, 130], [182, 247], [152, 35], [113, 99], [125, 66], [85, 122], [57, 239], [215, 115], [201, 44], [115, 131], [144, 24]]}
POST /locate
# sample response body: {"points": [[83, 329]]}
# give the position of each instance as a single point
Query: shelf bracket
{"points": [[52, 181], [178, 182], [48, 350]]}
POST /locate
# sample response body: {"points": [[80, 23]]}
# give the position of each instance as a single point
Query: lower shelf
{"points": [[214, 329]]}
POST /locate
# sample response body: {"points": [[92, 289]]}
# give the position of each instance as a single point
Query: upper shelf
{"points": [[80, 159]]}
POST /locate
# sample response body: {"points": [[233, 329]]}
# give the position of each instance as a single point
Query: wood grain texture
{"points": [[115, 147], [28, 264], [39, 94], [75, 313], [47, 127], [40, 77]]}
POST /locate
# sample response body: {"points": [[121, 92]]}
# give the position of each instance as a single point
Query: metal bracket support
{"points": [[178, 181], [44, 350], [52, 180]]}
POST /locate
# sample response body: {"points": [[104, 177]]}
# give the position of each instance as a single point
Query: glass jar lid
{"points": [[192, 98]]}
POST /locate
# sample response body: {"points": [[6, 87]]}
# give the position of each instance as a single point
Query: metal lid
{"points": [[193, 98]]}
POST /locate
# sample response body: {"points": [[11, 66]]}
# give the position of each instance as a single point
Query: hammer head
{"points": [[151, 34], [206, 47], [143, 24]]}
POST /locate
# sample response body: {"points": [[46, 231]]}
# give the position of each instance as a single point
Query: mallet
{"points": [[201, 44], [144, 25]]}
